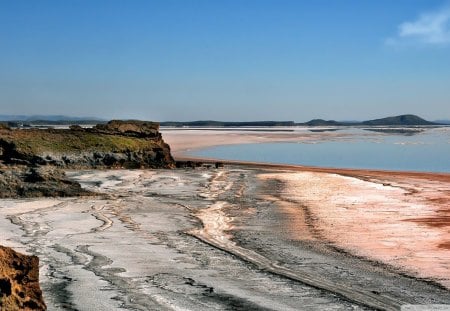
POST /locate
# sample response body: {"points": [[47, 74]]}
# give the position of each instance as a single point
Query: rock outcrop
{"points": [[19, 281], [31, 159], [30, 166], [128, 144], [40, 181], [140, 129]]}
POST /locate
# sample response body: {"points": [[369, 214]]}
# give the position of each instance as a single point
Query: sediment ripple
{"points": [[151, 242]]}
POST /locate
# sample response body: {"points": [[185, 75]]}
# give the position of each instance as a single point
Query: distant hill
{"points": [[406, 119], [7, 117], [321, 122], [402, 120], [51, 118], [209, 123], [442, 121], [19, 120]]}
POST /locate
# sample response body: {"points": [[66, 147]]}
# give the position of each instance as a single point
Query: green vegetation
{"points": [[130, 144], [63, 141]]}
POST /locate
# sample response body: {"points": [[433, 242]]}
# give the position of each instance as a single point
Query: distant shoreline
{"points": [[359, 173], [403, 120], [399, 120], [184, 142]]}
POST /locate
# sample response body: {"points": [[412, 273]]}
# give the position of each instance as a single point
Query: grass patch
{"points": [[63, 141]]}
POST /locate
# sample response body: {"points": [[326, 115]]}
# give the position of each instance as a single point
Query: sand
{"points": [[244, 237], [131, 248], [203, 239], [396, 218], [184, 140], [404, 226]]}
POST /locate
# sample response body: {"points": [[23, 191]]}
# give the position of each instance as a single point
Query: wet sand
{"points": [[222, 239], [395, 218], [132, 247], [247, 236], [185, 140], [400, 223]]}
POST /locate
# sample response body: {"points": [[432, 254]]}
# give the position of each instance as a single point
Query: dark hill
{"points": [[211, 123], [61, 119], [406, 119], [321, 122]]}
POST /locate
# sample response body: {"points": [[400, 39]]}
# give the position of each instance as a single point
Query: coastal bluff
{"points": [[32, 164], [19, 281], [127, 144], [32, 161]]}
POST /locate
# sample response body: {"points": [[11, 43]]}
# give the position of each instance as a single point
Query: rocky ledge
{"points": [[39, 181], [19, 281], [128, 144], [31, 163], [31, 159]]}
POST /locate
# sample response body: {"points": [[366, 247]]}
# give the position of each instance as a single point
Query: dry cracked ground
{"points": [[226, 239]]}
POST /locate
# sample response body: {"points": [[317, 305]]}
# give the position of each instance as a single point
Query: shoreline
{"points": [[429, 192], [344, 238], [331, 170], [184, 141], [235, 210]]}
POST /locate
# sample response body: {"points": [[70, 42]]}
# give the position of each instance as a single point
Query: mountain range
{"points": [[401, 120], [50, 119]]}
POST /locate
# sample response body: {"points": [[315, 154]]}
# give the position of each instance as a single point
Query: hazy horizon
{"points": [[5, 117], [231, 60]]}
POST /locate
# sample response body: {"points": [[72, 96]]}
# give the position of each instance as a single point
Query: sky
{"points": [[235, 60]]}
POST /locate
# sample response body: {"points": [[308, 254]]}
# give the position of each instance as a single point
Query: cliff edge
{"points": [[40, 181], [128, 144], [30, 166], [31, 160]]}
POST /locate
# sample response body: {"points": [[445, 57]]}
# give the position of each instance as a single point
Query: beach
{"points": [[406, 214], [185, 140], [225, 155], [246, 236]]}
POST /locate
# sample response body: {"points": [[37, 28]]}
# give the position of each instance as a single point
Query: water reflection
{"points": [[405, 149]]}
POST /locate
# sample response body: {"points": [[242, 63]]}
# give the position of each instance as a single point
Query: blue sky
{"points": [[225, 60]]}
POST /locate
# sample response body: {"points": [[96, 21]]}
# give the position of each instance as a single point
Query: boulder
{"points": [[44, 181]]}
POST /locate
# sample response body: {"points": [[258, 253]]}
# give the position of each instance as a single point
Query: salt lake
{"points": [[388, 149]]}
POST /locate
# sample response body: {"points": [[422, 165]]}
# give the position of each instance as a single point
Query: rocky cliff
{"points": [[40, 181], [128, 144], [19, 281], [30, 166], [31, 159]]}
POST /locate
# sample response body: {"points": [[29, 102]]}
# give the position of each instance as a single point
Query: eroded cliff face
{"points": [[128, 144], [19, 281], [31, 159], [30, 166]]}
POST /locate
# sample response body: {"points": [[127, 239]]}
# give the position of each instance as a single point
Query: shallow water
{"points": [[427, 150]]}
